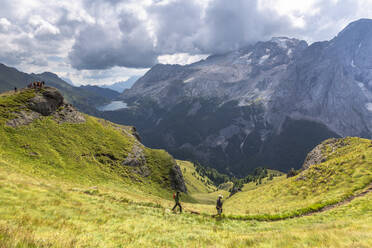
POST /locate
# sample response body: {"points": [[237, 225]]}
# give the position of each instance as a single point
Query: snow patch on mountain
{"points": [[352, 64], [246, 56], [188, 80], [263, 59], [289, 52], [369, 106], [281, 41]]}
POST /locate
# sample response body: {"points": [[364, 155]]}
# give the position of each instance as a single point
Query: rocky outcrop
{"points": [[320, 153], [23, 118], [47, 102], [314, 157], [177, 180], [136, 157], [67, 113], [136, 134]]}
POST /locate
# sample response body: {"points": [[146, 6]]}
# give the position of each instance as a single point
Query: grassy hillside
{"points": [[88, 153], [346, 171], [200, 188], [64, 185], [50, 213]]}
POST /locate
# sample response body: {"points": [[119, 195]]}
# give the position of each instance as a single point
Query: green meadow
{"points": [[63, 185]]}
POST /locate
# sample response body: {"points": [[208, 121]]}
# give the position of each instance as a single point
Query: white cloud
{"points": [[180, 58], [108, 35], [100, 77], [42, 27], [4, 25]]}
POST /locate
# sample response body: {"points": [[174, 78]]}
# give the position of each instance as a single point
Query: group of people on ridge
{"points": [[36, 85], [177, 199], [33, 85]]}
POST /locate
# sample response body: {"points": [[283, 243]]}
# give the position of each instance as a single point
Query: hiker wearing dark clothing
{"points": [[219, 205], [177, 199], [15, 89]]}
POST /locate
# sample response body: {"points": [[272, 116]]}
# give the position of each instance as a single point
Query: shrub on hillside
{"points": [[292, 172]]}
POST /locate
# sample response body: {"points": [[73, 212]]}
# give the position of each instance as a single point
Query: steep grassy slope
{"points": [[199, 187], [346, 171], [195, 182], [88, 153]]}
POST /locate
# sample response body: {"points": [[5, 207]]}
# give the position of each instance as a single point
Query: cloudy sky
{"points": [[105, 41]]}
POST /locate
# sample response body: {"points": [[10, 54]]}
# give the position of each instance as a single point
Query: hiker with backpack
{"points": [[177, 198], [219, 205]]}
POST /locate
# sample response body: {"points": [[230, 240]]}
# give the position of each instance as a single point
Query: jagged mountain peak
{"points": [[361, 27], [285, 42], [353, 45], [259, 102], [258, 53]]}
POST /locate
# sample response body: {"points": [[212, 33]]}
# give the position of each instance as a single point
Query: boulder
{"points": [[67, 113], [177, 180], [136, 158], [47, 102]]}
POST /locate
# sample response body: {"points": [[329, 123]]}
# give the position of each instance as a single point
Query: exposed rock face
{"points": [[314, 157], [68, 114], [136, 134], [136, 157], [23, 118], [268, 104], [318, 154], [47, 102], [177, 181]]}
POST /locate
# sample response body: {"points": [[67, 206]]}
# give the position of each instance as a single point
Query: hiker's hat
{"points": [[220, 196]]}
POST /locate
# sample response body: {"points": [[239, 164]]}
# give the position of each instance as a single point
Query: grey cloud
{"points": [[11, 58], [233, 24], [39, 61], [227, 25], [330, 19], [177, 26], [119, 38], [68, 28], [99, 47]]}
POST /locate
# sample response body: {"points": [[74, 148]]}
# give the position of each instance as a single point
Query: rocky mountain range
{"points": [[266, 104]]}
